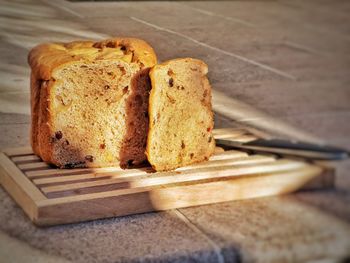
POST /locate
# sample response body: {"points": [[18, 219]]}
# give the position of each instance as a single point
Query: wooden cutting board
{"points": [[51, 196]]}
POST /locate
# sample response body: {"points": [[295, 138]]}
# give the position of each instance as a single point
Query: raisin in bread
{"points": [[180, 113], [89, 102]]}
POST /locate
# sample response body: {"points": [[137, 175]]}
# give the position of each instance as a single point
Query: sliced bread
{"points": [[180, 114]]}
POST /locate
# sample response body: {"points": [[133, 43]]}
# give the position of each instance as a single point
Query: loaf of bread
{"points": [[89, 102], [180, 113]]}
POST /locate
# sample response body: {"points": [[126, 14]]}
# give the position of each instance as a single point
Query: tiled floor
{"points": [[281, 66]]}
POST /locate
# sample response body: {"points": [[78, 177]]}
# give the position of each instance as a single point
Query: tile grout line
{"points": [[61, 6], [266, 67], [209, 13], [242, 120], [305, 48], [87, 33], [251, 116], [253, 62], [192, 226], [242, 22], [202, 11]]}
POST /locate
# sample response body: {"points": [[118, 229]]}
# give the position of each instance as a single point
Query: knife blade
{"points": [[289, 148]]}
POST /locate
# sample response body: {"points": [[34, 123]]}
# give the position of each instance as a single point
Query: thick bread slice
{"points": [[89, 102], [180, 113]]}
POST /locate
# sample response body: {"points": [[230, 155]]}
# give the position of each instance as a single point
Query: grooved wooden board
{"points": [[52, 196]]}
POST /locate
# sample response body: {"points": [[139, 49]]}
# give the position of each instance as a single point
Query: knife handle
{"points": [[291, 148], [298, 148]]}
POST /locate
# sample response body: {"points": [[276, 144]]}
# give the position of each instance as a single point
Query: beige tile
{"points": [[276, 229], [10, 118], [14, 135], [148, 237], [15, 102], [24, 252]]}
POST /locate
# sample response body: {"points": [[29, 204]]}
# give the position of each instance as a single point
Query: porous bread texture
{"points": [[89, 102], [180, 114]]}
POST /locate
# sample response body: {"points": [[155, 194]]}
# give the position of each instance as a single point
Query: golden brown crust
{"points": [[45, 59], [35, 103], [44, 132], [142, 52]]}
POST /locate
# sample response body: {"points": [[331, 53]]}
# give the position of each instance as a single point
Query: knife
{"points": [[287, 147]]}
